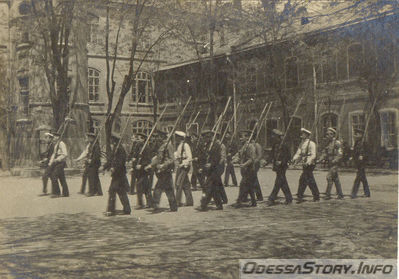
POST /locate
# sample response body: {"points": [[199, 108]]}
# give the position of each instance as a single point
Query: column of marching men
{"points": [[206, 156]]}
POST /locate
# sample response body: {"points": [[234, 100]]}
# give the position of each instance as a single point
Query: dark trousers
{"points": [[84, 180], [94, 181], [46, 176], [230, 171], [197, 176], [332, 177], [133, 182], [258, 190], [183, 185], [281, 183], [307, 179], [211, 190], [165, 184], [247, 186], [58, 174], [144, 188], [361, 177], [119, 185]]}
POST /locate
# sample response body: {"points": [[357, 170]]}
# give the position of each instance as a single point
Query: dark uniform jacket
{"points": [[94, 155], [248, 158], [118, 162], [165, 156], [144, 159], [359, 150], [283, 155], [47, 154]]}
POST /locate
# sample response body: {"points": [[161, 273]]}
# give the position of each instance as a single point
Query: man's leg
{"points": [[122, 193], [312, 183], [168, 180], [363, 178], [61, 176], [276, 188], [84, 181], [285, 188]]}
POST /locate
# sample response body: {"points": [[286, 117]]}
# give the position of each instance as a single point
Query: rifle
{"points": [[150, 135], [188, 125], [228, 123], [156, 160], [261, 121], [202, 127], [368, 121], [218, 125]]}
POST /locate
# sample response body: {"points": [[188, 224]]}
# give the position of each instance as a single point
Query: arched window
{"points": [[328, 120], [142, 89], [355, 59], [291, 72], [142, 126], [93, 81]]}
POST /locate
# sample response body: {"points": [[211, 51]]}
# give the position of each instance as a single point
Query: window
{"points": [[142, 126], [142, 89], [94, 36], [96, 125], [329, 68], [328, 120], [291, 72], [357, 122], [23, 84], [247, 81], [389, 135], [270, 125], [93, 84], [355, 59], [24, 94], [251, 124]]}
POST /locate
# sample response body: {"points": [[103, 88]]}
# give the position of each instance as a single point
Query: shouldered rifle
{"points": [[263, 120], [150, 135], [228, 123], [216, 128], [368, 121], [157, 160]]}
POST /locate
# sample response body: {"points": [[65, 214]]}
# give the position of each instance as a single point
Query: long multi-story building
{"points": [[338, 61]]}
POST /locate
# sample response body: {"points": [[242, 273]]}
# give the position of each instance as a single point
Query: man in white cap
{"points": [[58, 163], [45, 162], [183, 157], [332, 154], [306, 154], [360, 158]]}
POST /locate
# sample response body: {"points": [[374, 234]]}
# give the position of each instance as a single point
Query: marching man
{"points": [[306, 154], [332, 154], [183, 157]]}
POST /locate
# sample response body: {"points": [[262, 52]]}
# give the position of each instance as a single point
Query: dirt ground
{"points": [[70, 238]]}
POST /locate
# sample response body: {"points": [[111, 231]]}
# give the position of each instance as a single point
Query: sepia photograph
{"points": [[199, 138]]}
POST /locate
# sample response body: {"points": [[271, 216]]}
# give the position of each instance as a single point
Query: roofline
{"points": [[318, 31]]}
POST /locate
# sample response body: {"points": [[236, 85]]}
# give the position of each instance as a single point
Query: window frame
{"points": [[395, 128], [94, 86]]}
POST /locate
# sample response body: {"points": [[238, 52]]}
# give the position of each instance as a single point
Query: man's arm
{"points": [[312, 151], [61, 152], [189, 155]]}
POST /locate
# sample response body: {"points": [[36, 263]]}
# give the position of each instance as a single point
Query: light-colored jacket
{"points": [[306, 152], [186, 156], [60, 153]]}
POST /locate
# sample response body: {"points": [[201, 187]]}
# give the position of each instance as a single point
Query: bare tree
{"points": [[143, 17], [54, 21]]}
